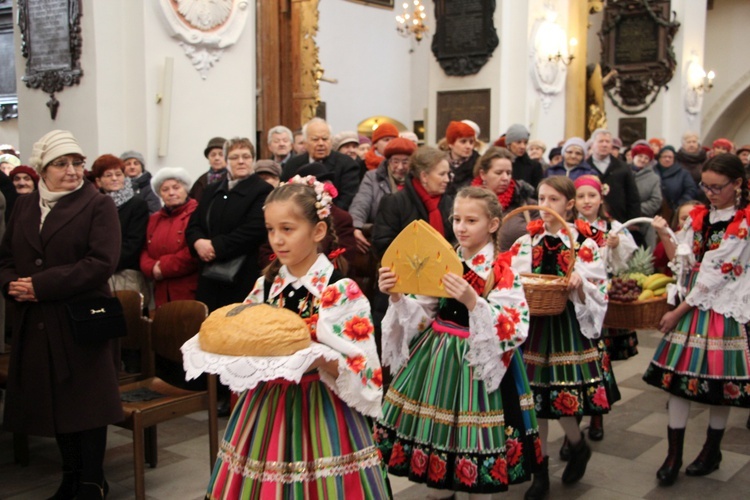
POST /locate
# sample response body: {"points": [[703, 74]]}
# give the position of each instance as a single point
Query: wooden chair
{"points": [[137, 338], [173, 324], [20, 441]]}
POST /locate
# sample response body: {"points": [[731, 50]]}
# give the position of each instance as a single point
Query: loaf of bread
{"points": [[253, 330]]}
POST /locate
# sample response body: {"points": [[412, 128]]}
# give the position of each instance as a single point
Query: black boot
{"points": [[579, 458], [710, 456], [93, 491], [540, 485], [70, 452], [596, 428], [670, 469], [565, 450], [68, 489]]}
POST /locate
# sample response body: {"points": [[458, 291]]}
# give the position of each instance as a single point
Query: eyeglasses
{"points": [[396, 163], [245, 157], [713, 189], [64, 164]]}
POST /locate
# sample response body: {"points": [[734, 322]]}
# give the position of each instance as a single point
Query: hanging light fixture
{"points": [[412, 23]]}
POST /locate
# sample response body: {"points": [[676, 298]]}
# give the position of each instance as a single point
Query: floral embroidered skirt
{"points": [[620, 344], [704, 359], [565, 369], [286, 440], [441, 427]]}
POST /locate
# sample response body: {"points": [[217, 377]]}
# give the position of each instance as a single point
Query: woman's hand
{"points": [[205, 250], [575, 281], [386, 280], [458, 288], [22, 290], [613, 240], [156, 271], [363, 245]]}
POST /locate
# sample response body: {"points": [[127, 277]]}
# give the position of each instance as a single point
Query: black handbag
{"points": [[96, 319], [226, 271]]}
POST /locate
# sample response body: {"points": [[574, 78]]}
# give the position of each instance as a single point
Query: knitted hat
{"points": [[136, 155], [268, 167], [399, 146], [666, 148], [473, 125], [317, 170], [458, 130], [384, 130], [9, 158], [515, 133], [166, 173], [410, 136], [104, 163], [24, 169], [642, 149], [723, 143], [345, 138], [554, 152], [655, 141], [575, 141], [500, 142], [53, 145], [363, 139], [215, 143]]}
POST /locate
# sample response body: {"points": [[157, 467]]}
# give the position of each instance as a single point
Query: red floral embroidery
{"points": [[514, 249], [513, 451], [566, 403], [536, 256], [505, 327], [538, 450], [515, 316], [499, 471], [503, 274], [734, 227], [506, 357], [727, 267], [358, 328], [418, 462], [586, 254], [535, 227], [353, 291], [692, 386], [377, 377], [478, 260], [742, 233], [666, 380], [737, 270], [330, 296], [466, 472], [600, 398], [356, 363], [731, 390], [312, 325], [437, 469], [563, 260], [397, 455]]}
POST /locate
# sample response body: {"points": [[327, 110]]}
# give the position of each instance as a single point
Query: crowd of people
{"points": [[469, 382]]}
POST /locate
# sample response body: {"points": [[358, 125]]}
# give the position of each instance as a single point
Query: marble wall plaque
{"points": [[48, 34]]}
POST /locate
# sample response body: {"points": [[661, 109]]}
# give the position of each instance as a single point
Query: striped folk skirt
{"points": [[567, 370], [300, 441], [704, 359], [441, 427]]}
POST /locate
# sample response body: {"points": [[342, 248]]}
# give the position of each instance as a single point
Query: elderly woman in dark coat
{"points": [[60, 248], [228, 225]]}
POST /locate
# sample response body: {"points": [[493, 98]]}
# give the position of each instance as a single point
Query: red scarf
{"points": [[505, 198], [373, 159], [431, 204]]}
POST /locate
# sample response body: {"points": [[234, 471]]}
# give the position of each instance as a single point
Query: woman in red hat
{"points": [[462, 157]]}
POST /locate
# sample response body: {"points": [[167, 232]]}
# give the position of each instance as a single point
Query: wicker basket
{"points": [[550, 297], [637, 315]]}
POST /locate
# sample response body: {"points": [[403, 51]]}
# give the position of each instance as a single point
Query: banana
{"points": [[660, 292], [652, 278], [658, 283], [646, 294]]}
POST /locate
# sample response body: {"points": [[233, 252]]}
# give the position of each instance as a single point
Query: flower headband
{"points": [[325, 192], [594, 182]]}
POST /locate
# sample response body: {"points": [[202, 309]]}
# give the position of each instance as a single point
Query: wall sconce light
{"points": [[551, 53], [559, 57], [412, 23], [698, 82]]}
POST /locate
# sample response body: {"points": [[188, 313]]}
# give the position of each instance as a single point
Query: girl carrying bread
{"points": [[311, 439], [458, 415]]}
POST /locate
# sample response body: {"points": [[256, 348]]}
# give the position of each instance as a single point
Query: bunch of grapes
{"points": [[624, 290]]}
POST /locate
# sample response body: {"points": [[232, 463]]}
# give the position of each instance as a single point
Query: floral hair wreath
{"points": [[325, 192]]}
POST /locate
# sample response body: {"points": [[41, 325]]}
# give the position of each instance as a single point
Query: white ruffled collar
{"points": [[481, 262], [717, 215], [315, 280]]}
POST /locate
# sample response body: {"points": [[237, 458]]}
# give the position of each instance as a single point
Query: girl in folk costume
{"points": [[458, 415], [312, 439], [562, 360], [704, 355], [615, 249]]}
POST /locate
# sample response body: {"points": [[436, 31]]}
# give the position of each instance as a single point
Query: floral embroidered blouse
{"points": [[498, 324], [615, 259], [529, 251], [338, 315], [721, 252]]}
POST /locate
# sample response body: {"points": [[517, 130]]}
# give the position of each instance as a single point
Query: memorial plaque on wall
{"points": [[630, 130], [51, 44], [459, 105], [465, 35]]}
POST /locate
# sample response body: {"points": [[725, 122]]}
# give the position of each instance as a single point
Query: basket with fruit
{"points": [[546, 294], [638, 297]]}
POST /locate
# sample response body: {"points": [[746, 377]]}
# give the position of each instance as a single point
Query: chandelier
{"points": [[412, 23]]}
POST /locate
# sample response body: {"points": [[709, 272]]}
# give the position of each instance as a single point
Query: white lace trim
{"points": [[722, 301], [350, 388], [398, 331], [242, 373], [484, 354], [712, 344], [563, 358]]}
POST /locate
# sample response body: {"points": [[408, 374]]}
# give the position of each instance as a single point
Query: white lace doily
{"points": [[241, 373]]}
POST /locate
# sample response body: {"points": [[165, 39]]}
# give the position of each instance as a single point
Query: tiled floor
{"points": [[623, 465]]}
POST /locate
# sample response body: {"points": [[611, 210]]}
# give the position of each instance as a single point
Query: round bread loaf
{"points": [[253, 330]]}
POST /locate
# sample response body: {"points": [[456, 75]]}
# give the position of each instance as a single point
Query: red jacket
{"points": [[166, 244]]}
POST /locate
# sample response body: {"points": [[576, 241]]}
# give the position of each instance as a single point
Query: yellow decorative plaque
{"points": [[420, 257]]}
